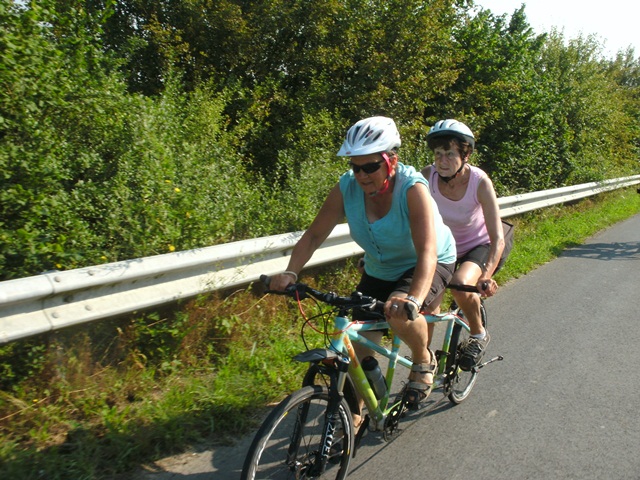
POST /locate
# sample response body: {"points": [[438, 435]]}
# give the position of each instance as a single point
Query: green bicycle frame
{"points": [[347, 332]]}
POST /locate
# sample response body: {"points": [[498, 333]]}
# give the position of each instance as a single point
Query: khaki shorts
{"points": [[381, 289]]}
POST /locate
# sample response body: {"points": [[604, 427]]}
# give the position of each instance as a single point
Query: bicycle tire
{"points": [[287, 443], [462, 382]]}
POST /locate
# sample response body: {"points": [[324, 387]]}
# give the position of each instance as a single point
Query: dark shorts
{"points": [[381, 289], [480, 254], [477, 255]]}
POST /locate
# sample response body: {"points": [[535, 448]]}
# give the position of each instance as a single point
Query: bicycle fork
{"points": [[332, 419], [337, 367]]}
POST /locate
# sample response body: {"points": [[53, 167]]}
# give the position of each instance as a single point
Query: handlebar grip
{"points": [[412, 310], [463, 288], [467, 288]]}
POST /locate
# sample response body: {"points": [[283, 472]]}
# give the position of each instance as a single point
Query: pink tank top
{"points": [[464, 217]]}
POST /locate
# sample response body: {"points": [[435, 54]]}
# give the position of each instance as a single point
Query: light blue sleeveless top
{"points": [[387, 242]]}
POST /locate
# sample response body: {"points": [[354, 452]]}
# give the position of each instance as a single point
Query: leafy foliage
{"points": [[135, 127]]}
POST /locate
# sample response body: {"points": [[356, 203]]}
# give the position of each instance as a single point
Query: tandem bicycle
{"points": [[311, 434]]}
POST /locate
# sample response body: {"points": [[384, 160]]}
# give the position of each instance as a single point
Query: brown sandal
{"points": [[416, 392]]}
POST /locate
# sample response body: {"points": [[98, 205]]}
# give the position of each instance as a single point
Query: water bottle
{"points": [[374, 375]]}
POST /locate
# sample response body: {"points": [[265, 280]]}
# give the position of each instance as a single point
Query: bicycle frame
{"points": [[346, 332]]}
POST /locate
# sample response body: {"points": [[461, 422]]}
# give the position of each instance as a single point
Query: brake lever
{"points": [[294, 290]]}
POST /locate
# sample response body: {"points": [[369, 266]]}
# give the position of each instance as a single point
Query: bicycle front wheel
{"points": [[288, 444], [462, 382]]}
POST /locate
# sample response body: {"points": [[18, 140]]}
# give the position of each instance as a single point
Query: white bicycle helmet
{"points": [[370, 135], [453, 128]]}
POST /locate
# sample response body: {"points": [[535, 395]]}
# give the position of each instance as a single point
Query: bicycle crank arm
{"points": [[494, 359], [362, 429]]}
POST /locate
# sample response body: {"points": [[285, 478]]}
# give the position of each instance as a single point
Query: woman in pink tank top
{"points": [[469, 207]]}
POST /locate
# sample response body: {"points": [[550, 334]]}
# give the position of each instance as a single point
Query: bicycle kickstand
{"points": [[494, 359]]}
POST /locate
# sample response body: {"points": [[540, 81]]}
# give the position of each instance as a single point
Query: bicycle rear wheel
{"points": [[462, 382], [288, 443]]}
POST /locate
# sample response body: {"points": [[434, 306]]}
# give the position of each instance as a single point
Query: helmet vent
{"points": [[371, 135]]}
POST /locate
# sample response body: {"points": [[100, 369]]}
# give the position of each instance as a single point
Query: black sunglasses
{"points": [[367, 167]]}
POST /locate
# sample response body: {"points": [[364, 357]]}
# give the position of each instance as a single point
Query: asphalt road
{"points": [[564, 403]]}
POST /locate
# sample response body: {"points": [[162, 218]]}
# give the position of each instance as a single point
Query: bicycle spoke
{"points": [[290, 441]]}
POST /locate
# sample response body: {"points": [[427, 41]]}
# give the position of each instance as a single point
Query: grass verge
{"points": [[96, 402]]}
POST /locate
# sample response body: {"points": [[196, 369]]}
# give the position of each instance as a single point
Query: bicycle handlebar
{"points": [[302, 290], [356, 300]]}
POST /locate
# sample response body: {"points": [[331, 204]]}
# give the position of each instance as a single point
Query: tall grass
{"points": [[94, 402]]}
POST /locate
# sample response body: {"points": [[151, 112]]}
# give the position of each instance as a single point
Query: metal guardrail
{"points": [[59, 299]]}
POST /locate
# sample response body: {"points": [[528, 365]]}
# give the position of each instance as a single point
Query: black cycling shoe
{"points": [[472, 352]]}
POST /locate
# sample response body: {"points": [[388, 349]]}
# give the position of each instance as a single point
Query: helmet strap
{"points": [[387, 181], [448, 179]]}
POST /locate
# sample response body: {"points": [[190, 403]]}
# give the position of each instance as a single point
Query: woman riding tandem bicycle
{"points": [[468, 204], [409, 252]]}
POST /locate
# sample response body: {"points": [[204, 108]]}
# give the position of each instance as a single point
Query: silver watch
{"points": [[413, 299]]}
